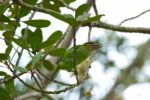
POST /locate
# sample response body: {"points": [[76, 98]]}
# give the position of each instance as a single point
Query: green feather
{"points": [[67, 62]]}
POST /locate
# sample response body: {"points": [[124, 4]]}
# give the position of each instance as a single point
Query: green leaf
{"points": [[29, 66], [81, 18], [23, 11], [3, 18], [80, 10], [32, 39], [13, 10], [69, 1], [57, 52], [36, 59], [38, 23], [48, 65], [10, 86], [20, 69], [92, 19], [27, 35], [20, 42], [8, 50], [38, 34], [36, 39], [4, 56], [70, 20], [8, 37], [57, 15], [8, 26], [3, 73], [3, 7], [52, 39], [4, 94], [55, 6]]}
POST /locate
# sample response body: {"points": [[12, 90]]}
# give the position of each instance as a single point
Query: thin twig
{"points": [[62, 83], [36, 81], [35, 8], [19, 56], [16, 51], [11, 78], [43, 92], [39, 77], [134, 17], [94, 7], [75, 56], [66, 5]]}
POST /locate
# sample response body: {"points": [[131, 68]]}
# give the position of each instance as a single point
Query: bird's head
{"points": [[91, 46]]}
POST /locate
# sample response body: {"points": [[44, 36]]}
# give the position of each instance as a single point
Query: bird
{"points": [[83, 53]]}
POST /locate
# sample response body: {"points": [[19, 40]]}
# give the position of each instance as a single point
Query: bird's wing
{"points": [[67, 62]]}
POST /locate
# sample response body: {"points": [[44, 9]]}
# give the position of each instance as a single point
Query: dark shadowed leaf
{"points": [[55, 5], [8, 50], [3, 73], [4, 56], [10, 86], [48, 65], [8, 36], [29, 65], [24, 11], [20, 42], [3, 18]]}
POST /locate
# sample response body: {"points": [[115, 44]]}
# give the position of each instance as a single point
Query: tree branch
{"points": [[120, 28], [97, 24], [134, 17]]}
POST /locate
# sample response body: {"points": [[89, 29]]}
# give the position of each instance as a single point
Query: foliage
{"points": [[30, 41]]}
